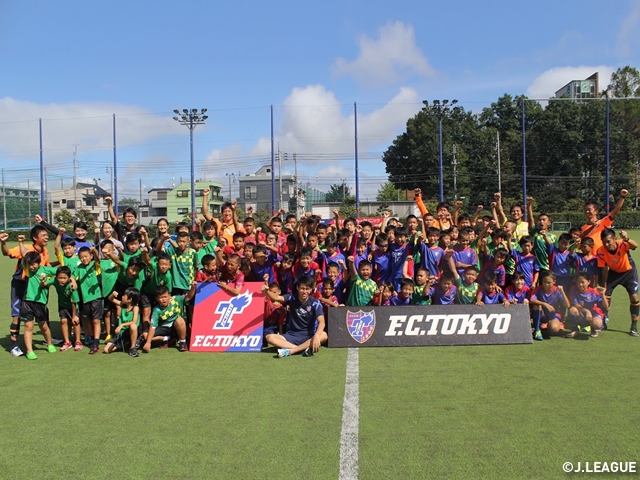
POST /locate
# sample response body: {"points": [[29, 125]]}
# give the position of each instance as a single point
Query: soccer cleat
{"points": [[94, 350], [633, 332], [308, 352], [32, 356], [538, 335], [16, 352], [56, 341], [587, 329], [51, 349], [133, 353], [283, 352], [594, 333], [164, 346], [107, 338], [78, 346], [66, 346], [572, 334], [183, 346]]}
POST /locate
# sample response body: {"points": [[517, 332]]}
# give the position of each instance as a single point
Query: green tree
{"points": [[389, 193], [625, 83], [87, 217], [348, 207], [337, 192], [129, 201], [64, 219]]}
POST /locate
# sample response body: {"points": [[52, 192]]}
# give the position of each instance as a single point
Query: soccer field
{"points": [[517, 411]]}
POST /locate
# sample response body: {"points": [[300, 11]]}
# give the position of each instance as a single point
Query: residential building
{"points": [[178, 200], [371, 209], [155, 206], [86, 196], [579, 89], [256, 189]]}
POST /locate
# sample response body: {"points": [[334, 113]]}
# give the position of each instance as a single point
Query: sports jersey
{"points": [[259, 271], [210, 247], [66, 294], [204, 276], [156, 279], [358, 258], [418, 297], [299, 270], [71, 262], [284, 280], [527, 264], [381, 262], [499, 271], [273, 314], [233, 280], [325, 307], [466, 256], [326, 259], [399, 255], [540, 249], [467, 294], [303, 317], [617, 261], [164, 317], [492, 298], [14, 252], [183, 266], [517, 297], [588, 266], [88, 281], [340, 286], [553, 298], [229, 250], [109, 271], [595, 233], [398, 300], [591, 300], [35, 291], [126, 317], [560, 262], [440, 297], [522, 230], [127, 281], [361, 291], [430, 258]]}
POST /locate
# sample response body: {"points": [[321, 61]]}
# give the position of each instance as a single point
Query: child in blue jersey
{"points": [[586, 262], [526, 261], [494, 264], [403, 297], [548, 303], [304, 266], [587, 306], [331, 255], [263, 265], [463, 255], [400, 251], [381, 261], [383, 299], [490, 295], [339, 284], [362, 252], [284, 273], [518, 292], [560, 261], [444, 293], [430, 253]]}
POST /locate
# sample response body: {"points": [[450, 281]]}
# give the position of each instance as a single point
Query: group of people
{"points": [[132, 292]]}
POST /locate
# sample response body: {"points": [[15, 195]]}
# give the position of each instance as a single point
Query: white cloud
{"points": [[391, 58], [628, 38], [87, 124], [549, 82]]}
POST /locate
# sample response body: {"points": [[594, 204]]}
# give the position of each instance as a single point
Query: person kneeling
{"points": [[305, 320], [128, 322]]}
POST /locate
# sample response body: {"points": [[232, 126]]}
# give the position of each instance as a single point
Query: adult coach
{"points": [[594, 227], [129, 217], [228, 225]]}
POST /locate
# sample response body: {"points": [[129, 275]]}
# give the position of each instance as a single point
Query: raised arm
{"points": [[205, 204], [112, 213], [619, 203], [474, 221], [625, 238], [530, 218], [500, 210], [456, 211], [417, 193]]}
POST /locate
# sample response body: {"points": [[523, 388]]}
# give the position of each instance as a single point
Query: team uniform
{"points": [[418, 297], [398, 257], [527, 264], [591, 300], [560, 263], [18, 280], [466, 256], [360, 291], [302, 318], [499, 271], [440, 297], [494, 298], [88, 280], [467, 294], [398, 300], [553, 298], [586, 265], [517, 297], [184, 266], [162, 319], [36, 296], [122, 340], [622, 270], [430, 258], [540, 249]]}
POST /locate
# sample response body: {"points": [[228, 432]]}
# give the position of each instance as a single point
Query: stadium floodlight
{"points": [[191, 119], [177, 112], [440, 109]]}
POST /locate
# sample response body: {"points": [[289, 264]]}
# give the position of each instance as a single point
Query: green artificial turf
{"points": [[517, 411]]}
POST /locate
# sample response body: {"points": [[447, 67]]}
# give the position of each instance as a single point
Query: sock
{"points": [[166, 339], [634, 325], [14, 331], [634, 308], [96, 342], [573, 321], [537, 316]]}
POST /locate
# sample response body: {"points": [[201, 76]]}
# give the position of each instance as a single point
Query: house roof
{"points": [[97, 190]]}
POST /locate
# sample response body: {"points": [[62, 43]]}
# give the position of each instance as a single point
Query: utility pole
{"points": [[140, 194], [280, 176], [4, 203], [295, 182], [29, 200], [454, 162], [46, 195], [75, 182], [499, 170]]}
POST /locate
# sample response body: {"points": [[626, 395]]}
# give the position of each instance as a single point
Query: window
{"points": [[105, 216], [87, 203], [199, 193], [162, 195], [144, 213], [183, 211], [71, 204], [182, 193], [250, 193], [64, 201], [56, 204]]}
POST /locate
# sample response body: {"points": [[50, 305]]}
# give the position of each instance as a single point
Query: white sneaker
{"points": [[16, 352]]}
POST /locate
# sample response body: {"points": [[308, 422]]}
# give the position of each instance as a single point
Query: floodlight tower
{"points": [[191, 119]]}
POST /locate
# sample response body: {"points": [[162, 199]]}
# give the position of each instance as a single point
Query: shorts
{"points": [[164, 331], [122, 341], [93, 310], [17, 294], [64, 313], [270, 329], [30, 311], [628, 279], [108, 306], [297, 338], [144, 299]]}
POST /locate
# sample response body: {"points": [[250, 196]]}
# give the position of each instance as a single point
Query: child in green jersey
{"points": [[184, 263], [65, 250], [466, 285], [128, 322], [361, 287], [87, 276], [68, 300], [423, 285], [108, 276], [34, 303]]}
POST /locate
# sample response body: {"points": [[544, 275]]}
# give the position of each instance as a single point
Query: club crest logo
{"points": [[361, 325], [228, 309]]}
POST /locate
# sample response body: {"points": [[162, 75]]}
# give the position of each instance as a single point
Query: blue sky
{"points": [[74, 64]]}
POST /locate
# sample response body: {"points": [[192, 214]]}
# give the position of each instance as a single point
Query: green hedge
{"points": [[624, 220]]}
